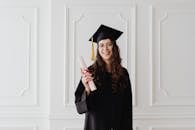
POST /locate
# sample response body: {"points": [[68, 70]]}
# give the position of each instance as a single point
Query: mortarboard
{"points": [[104, 32]]}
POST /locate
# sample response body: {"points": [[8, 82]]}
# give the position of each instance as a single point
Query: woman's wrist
{"points": [[87, 91]]}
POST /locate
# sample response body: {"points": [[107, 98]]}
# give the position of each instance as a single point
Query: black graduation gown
{"points": [[105, 110]]}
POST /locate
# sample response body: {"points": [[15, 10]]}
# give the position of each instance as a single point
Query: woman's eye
{"points": [[110, 44], [101, 46]]}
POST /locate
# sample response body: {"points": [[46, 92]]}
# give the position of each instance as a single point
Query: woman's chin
{"points": [[106, 59]]}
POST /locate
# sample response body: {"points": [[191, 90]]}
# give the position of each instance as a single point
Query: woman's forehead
{"points": [[104, 41]]}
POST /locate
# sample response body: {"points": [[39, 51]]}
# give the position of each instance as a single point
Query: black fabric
{"points": [[103, 109], [104, 32]]}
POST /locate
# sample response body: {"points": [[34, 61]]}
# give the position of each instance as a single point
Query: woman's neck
{"points": [[108, 67]]}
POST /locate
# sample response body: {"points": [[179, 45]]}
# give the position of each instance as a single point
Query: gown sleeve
{"points": [[82, 101], [128, 113]]}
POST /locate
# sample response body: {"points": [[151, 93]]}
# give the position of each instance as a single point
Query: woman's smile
{"points": [[105, 49]]}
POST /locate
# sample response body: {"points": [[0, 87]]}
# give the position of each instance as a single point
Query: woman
{"points": [[110, 106]]}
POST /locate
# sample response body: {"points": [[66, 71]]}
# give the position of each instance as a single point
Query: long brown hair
{"points": [[99, 67]]}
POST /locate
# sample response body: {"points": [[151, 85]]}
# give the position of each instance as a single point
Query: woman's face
{"points": [[105, 49]]}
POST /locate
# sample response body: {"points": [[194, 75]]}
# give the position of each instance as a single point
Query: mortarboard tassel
{"points": [[92, 51]]}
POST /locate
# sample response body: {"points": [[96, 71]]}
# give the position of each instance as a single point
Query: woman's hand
{"points": [[86, 78]]}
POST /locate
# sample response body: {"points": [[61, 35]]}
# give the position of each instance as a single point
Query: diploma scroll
{"points": [[84, 67]]}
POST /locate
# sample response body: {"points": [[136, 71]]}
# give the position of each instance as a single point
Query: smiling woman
{"points": [[105, 50], [110, 106]]}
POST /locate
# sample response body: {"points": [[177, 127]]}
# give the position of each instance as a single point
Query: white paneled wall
{"points": [[79, 22], [24, 64], [41, 40], [74, 23], [172, 41], [157, 48], [18, 56]]}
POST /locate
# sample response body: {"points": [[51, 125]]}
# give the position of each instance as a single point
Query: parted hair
{"points": [[99, 67]]}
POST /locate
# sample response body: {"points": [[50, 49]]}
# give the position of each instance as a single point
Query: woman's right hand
{"points": [[86, 78]]}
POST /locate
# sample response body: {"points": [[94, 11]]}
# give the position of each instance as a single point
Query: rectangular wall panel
{"points": [[18, 50], [172, 54], [82, 23], [17, 128]]}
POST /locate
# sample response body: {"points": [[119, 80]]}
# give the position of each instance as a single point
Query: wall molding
{"points": [[131, 54], [172, 127], [26, 127], [155, 62], [27, 17]]}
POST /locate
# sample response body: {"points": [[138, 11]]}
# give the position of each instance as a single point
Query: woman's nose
{"points": [[106, 47]]}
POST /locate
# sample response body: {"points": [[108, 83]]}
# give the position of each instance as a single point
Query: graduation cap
{"points": [[104, 32]]}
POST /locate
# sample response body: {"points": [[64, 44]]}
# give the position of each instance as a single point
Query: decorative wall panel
{"points": [[18, 127], [172, 48], [81, 22], [18, 54]]}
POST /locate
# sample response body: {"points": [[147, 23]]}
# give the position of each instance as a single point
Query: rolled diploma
{"points": [[84, 67]]}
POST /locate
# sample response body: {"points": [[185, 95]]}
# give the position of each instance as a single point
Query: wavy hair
{"points": [[99, 67]]}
